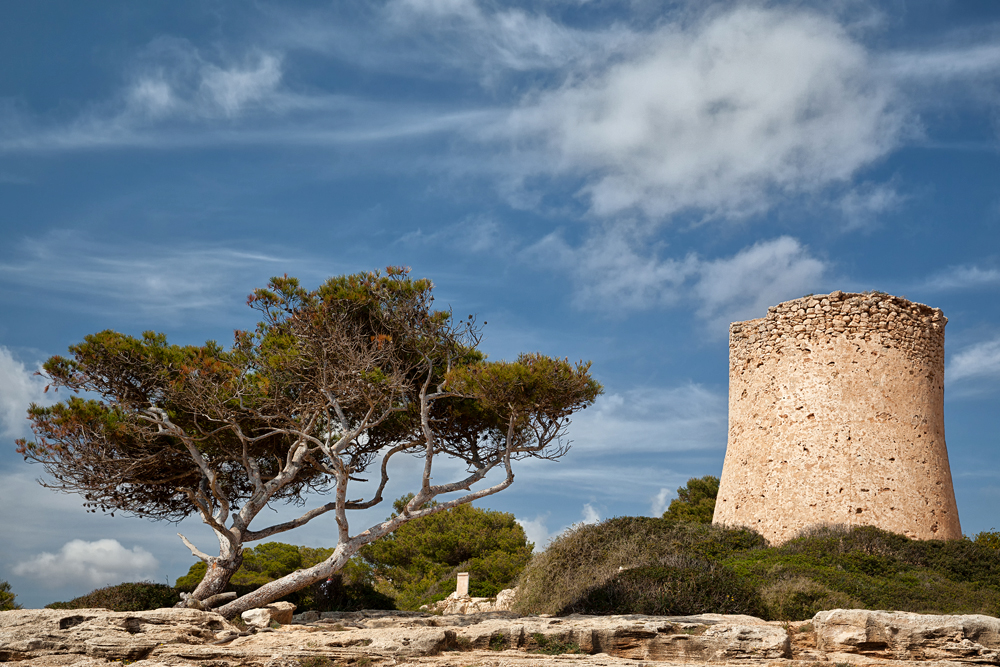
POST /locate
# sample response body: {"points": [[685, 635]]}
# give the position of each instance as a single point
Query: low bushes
{"points": [[587, 557], [651, 566], [135, 596], [696, 587]]}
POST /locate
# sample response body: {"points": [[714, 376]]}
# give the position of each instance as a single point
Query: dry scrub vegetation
{"points": [[653, 566]]}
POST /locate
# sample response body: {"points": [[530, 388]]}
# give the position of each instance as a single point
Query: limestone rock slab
{"points": [[103, 634], [970, 638]]}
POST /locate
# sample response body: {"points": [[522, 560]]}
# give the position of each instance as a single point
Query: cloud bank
{"points": [[613, 272], [95, 564], [745, 108]]}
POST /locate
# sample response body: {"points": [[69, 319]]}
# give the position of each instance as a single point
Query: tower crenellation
{"points": [[836, 416]]}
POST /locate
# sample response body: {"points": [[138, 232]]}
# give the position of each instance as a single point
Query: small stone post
{"points": [[462, 585]]}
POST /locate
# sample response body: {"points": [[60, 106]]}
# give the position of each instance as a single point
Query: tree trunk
{"points": [[217, 577], [279, 588]]}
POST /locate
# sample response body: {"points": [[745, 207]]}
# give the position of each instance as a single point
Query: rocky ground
{"points": [[174, 637]]}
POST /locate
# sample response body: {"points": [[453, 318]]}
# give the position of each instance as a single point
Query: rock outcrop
{"points": [[465, 604], [909, 637], [102, 634], [176, 637]]}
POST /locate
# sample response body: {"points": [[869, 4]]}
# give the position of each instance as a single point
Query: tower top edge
{"points": [[874, 298]]}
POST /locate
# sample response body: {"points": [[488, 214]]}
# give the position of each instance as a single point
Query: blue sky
{"points": [[613, 181]]}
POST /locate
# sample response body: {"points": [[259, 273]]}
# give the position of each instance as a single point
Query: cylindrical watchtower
{"points": [[836, 415]]}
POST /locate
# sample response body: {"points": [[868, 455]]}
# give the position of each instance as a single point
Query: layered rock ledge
{"points": [[174, 637]]}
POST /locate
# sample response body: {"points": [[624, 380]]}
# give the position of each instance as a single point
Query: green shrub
{"points": [[695, 501], [870, 568], [419, 561], [548, 646], [799, 598], [135, 596], [989, 538], [7, 598], [590, 555], [672, 566], [685, 589]]}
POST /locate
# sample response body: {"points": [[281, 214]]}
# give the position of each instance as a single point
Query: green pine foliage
{"points": [[417, 564], [7, 597], [640, 565], [695, 502], [133, 596], [988, 538]]}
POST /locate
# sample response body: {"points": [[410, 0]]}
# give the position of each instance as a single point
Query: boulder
{"points": [[505, 599], [276, 612], [905, 636]]}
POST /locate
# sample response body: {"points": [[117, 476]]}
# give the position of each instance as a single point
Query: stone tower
{"points": [[836, 415]]}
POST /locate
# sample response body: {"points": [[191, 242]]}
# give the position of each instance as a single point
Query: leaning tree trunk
{"points": [[290, 583], [217, 577]]}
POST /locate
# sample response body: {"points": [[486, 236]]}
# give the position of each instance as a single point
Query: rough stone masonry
{"points": [[836, 416]]}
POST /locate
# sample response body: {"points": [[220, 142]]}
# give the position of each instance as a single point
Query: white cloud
{"points": [[863, 204], [748, 107], [961, 277], [173, 79], [744, 285], [614, 273], [537, 531], [951, 62], [96, 563], [19, 387], [653, 419], [235, 88], [142, 280], [976, 362], [611, 271], [660, 502]]}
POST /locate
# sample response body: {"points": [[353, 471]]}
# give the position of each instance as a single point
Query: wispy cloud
{"points": [[744, 285], [178, 98], [980, 361], [960, 278], [651, 419], [436, 39], [96, 563], [174, 281], [951, 62], [864, 204], [619, 270]]}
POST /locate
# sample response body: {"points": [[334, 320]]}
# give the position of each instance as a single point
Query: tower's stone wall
{"points": [[836, 415]]}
